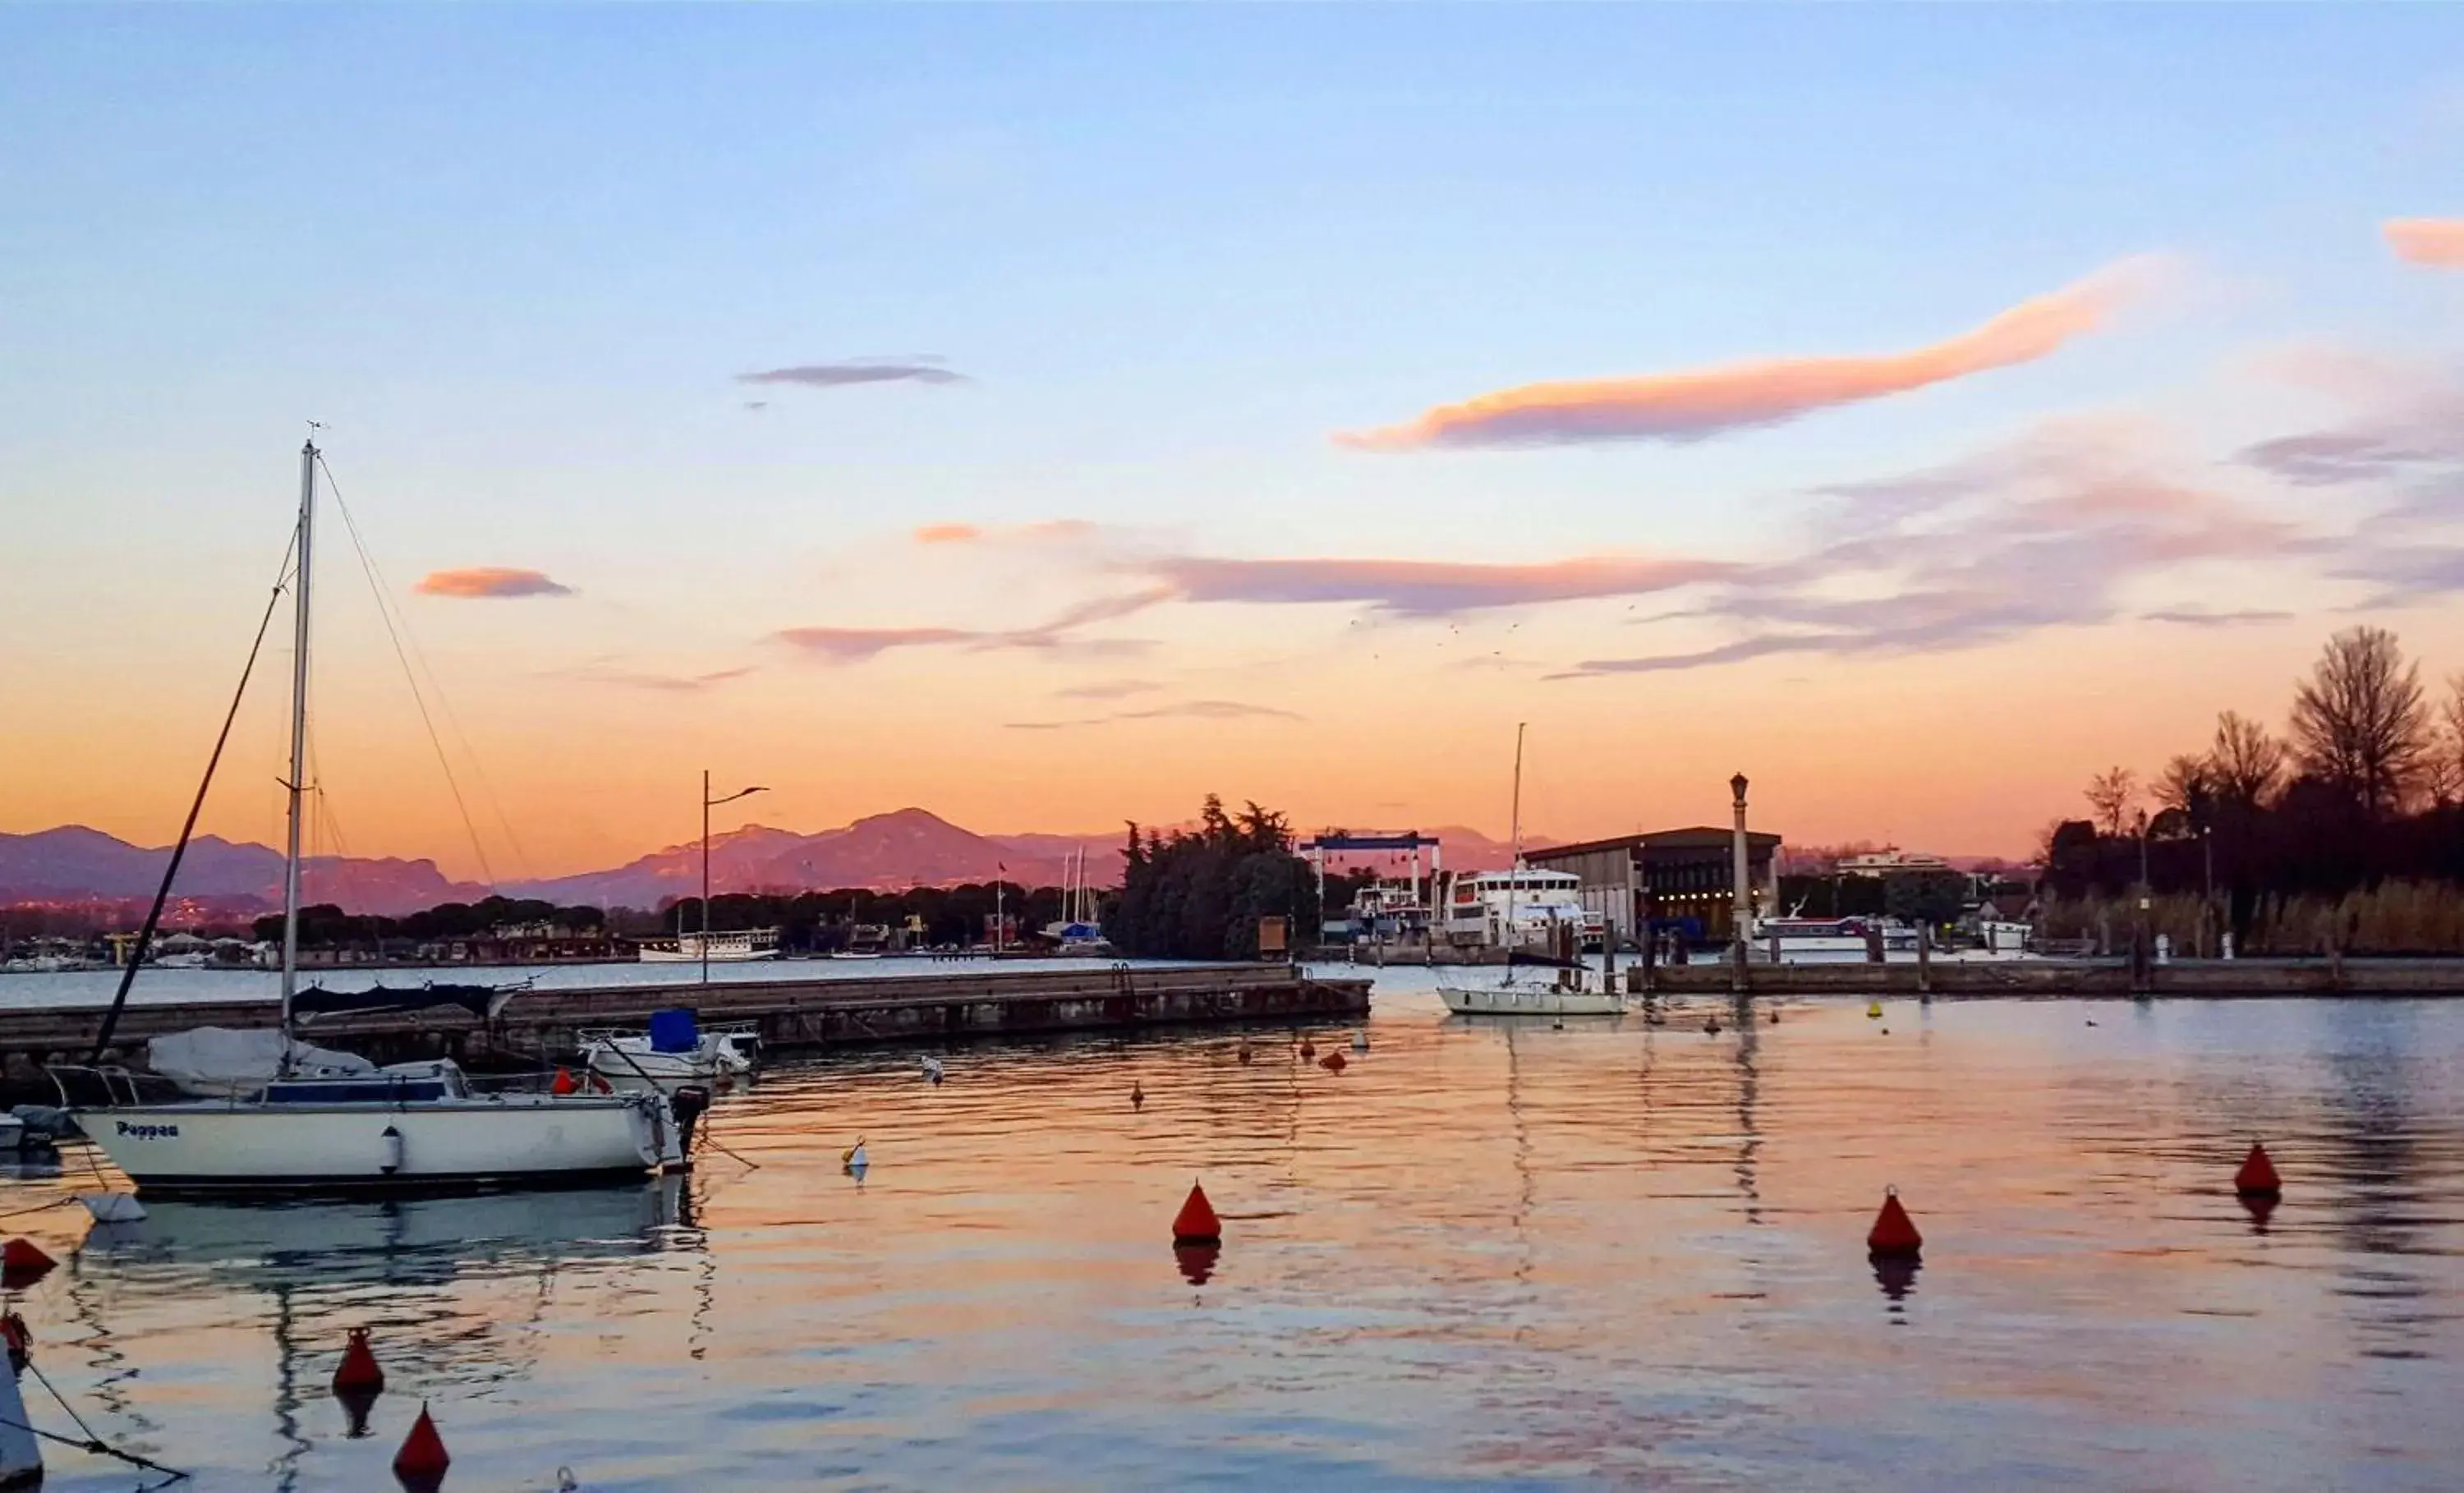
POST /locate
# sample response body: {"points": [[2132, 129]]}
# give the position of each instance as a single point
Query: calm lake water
{"points": [[1484, 1255]]}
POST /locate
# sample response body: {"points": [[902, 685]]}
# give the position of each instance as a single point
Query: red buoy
{"points": [[1309, 1048], [1893, 1234], [359, 1372], [1196, 1224], [1137, 1096], [563, 1083], [420, 1466], [1333, 1062], [2257, 1176], [22, 1263]]}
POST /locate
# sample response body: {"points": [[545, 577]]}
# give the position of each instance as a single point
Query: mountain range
{"points": [[906, 848]]}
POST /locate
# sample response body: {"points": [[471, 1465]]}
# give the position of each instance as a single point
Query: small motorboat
{"points": [[673, 1053]]}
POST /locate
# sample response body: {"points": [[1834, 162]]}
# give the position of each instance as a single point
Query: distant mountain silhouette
{"points": [[906, 848], [72, 863]]}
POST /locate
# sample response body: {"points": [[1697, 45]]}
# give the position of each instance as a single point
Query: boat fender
{"points": [[599, 1083], [20, 1340], [392, 1150]]}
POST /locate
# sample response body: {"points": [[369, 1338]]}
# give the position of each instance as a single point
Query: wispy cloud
{"points": [[855, 645], [2199, 619], [1424, 588], [1055, 634], [609, 673], [488, 582], [1186, 710], [2438, 243], [1696, 404], [917, 369], [1020, 533], [2045, 531], [1107, 689]]}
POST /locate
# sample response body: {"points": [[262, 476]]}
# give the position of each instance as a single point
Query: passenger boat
{"points": [[737, 948], [417, 1126]]}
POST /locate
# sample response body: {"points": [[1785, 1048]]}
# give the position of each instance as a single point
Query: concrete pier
{"points": [[1944, 978], [541, 1024]]}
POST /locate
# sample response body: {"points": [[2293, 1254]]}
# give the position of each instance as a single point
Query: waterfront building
{"points": [[1682, 880]]}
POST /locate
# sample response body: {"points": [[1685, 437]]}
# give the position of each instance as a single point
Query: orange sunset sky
{"points": [[1917, 413]]}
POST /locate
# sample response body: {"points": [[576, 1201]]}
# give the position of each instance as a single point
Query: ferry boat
{"points": [[1521, 908], [739, 948]]}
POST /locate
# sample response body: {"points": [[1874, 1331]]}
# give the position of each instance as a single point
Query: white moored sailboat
{"points": [[411, 1126], [1510, 998]]}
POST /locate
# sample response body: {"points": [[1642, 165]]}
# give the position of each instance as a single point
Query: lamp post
{"points": [[709, 803], [1743, 911]]}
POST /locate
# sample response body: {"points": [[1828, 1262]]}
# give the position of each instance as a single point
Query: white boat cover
{"points": [[216, 1061]]}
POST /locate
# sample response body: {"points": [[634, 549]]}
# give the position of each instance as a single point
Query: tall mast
{"points": [[299, 737], [1514, 867]]}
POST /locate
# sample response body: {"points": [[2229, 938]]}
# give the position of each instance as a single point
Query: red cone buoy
{"points": [[22, 1263], [2257, 1178], [1196, 1224], [1333, 1062], [422, 1461], [1893, 1235], [359, 1372], [563, 1083]]}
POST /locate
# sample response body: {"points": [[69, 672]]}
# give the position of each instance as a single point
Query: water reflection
{"points": [[1611, 1254]]}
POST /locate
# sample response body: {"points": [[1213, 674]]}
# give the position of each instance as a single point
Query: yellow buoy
{"points": [[1874, 1009]]}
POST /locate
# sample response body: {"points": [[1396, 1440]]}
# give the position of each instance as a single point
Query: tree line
{"points": [[815, 922], [2363, 787]]}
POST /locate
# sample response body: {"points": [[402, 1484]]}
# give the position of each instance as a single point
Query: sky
{"points": [[1050, 415]]}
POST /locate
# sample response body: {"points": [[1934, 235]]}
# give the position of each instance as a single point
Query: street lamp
{"points": [[709, 803]]}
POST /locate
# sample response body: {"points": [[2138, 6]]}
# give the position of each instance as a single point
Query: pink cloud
{"points": [[1695, 403], [1425, 587], [2435, 242], [1027, 533], [488, 582], [855, 645]]}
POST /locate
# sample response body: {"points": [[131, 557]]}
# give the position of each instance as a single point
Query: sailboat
{"points": [[412, 1125], [1510, 997]]}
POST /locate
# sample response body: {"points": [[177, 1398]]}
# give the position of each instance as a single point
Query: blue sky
{"points": [[515, 259]]}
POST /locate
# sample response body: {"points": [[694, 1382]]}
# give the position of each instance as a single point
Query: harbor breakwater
{"points": [[539, 1025]]}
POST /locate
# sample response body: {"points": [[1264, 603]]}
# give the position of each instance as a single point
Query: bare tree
{"points": [[2359, 721], [2245, 761], [2443, 770], [2187, 783], [2110, 793]]}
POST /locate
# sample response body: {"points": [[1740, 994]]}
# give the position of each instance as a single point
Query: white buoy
{"points": [[933, 1070], [1360, 1042], [113, 1207], [21, 1456]]}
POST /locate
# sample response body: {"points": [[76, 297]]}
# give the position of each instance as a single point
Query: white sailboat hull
{"points": [[1529, 1001], [512, 1140]]}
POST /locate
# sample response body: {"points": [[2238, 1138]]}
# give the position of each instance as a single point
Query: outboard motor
{"points": [[687, 1104]]}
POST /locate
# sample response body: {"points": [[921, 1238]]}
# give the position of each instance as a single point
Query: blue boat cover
{"points": [[673, 1031]]}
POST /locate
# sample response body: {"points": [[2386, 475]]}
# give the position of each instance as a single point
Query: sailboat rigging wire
{"points": [[162, 893], [384, 614], [435, 686]]}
